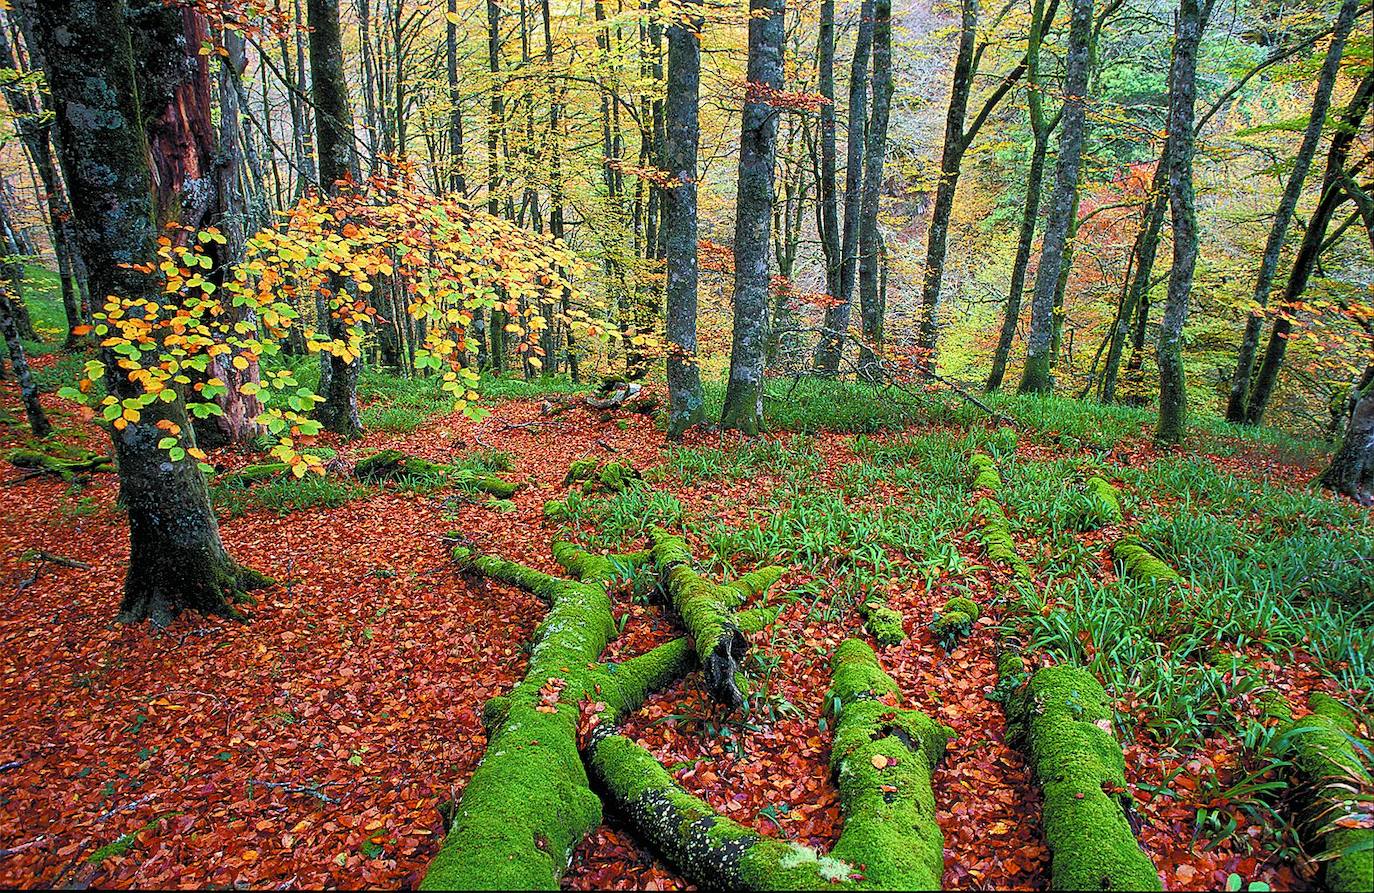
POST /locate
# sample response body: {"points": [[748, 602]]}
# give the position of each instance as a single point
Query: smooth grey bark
{"points": [[1283, 214], [836, 324], [743, 408], [176, 558], [681, 136], [1173, 391], [1351, 471], [1036, 376], [872, 301], [827, 218], [1042, 18], [1309, 250], [12, 290], [456, 181], [338, 162]]}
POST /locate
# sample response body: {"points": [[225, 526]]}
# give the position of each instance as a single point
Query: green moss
{"points": [[395, 465], [1064, 719], [951, 626], [985, 476], [580, 470], [1328, 758], [964, 605], [1138, 563], [614, 477], [555, 510], [1104, 498], [884, 624], [995, 535]]}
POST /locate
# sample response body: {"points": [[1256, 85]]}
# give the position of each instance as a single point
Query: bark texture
{"points": [[872, 300]]}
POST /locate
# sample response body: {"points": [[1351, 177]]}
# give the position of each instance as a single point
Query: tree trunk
{"points": [[743, 409], [827, 220], [871, 299], [456, 181], [683, 131], [1135, 304], [1041, 20], [1283, 215], [1173, 391], [338, 162], [28, 391], [1309, 251], [1351, 472], [836, 326], [176, 559], [1036, 376]]}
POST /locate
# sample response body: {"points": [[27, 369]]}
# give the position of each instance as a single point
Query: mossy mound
{"points": [[955, 620], [612, 477], [1063, 720], [883, 623], [995, 535], [1329, 760], [1139, 564], [391, 465]]}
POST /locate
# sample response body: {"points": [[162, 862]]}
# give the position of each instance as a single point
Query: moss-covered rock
{"points": [[1139, 564], [995, 535], [1329, 759], [985, 476], [1063, 720]]}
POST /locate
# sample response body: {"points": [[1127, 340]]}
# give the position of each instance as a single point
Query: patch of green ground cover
{"points": [[796, 454], [43, 298], [811, 405], [284, 494]]}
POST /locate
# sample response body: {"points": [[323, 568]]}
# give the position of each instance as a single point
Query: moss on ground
{"points": [[1063, 719], [396, 465], [995, 535], [985, 476], [1103, 502]]}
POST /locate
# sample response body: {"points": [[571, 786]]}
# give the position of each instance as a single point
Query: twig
{"points": [[23, 846], [13, 764], [313, 790], [127, 807], [44, 559]]}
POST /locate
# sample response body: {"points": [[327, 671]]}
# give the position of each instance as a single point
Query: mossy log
{"points": [[882, 759], [528, 803], [883, 622], [394, 464], [995, 535], [1103, 502], [65, 467], [249, 475], [707, 612], [1140, 564], [612, 477], [1329, 763], [985, 476], [1063, 720]]}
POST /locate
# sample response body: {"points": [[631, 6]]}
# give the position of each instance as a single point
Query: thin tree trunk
{"points": [[682, 134], [338, 163], [1036, 376], [828, 218], [1314, 237], [743, 408], [1351, 471], [10, 290], [457, 182], [836, 325], [1283, 215], [871, 304], [1173, 390]]}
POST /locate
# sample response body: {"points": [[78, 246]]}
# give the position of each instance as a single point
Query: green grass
{"points": [[286, 494], [43, 297]]}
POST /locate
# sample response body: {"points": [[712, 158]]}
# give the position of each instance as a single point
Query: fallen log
{"points": [[1325, 751], [882, 759], [1062, 719], [1142, 565], [995, 535], [707, 613], [390, 465], [65, 467]]}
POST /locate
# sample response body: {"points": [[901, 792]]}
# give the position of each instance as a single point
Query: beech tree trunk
{"points": [[827, 216], [456, 181], [1351, 471], [338, 162], [743, 409], [176, 559], [1042, 17], [872, 300], [836, 325], [1036, 376], [683, 131], [1173, 391], [1135, 305], [1283, 215]]}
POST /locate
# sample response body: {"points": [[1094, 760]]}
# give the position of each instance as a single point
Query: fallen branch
{"points": [[43, 559], [394, 465]]}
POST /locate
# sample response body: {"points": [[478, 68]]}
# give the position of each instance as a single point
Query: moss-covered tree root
{"points": [[995, 535], [394, 465], [707, 612], [1063, 720], [1140, 564], [882, 759], [1329, 763], [612, 477]]}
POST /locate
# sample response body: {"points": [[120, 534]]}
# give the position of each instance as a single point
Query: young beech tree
{"points": [[1173, 391], [176, 559], [872, 300], [1036, 376], [681, 136], [338, 163], [753, 214]]}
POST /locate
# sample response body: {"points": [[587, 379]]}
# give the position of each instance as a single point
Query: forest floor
{"points": [[313, 745]]}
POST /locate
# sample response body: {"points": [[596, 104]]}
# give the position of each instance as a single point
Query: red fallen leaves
{"points": [[312, 746]]}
